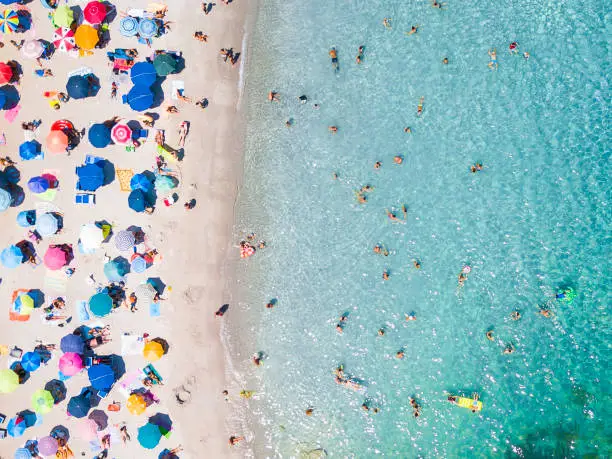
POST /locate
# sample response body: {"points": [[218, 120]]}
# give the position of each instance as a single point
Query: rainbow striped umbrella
{"points": [[8, 21]]}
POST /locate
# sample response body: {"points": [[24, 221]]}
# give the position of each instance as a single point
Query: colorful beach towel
{"points": [[124, 176]]}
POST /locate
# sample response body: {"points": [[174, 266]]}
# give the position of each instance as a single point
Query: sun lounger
{"points": [[82, 311], [83, 71], [88, 199], [150, 370]]}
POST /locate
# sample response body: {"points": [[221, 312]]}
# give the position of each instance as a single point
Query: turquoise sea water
{"points": [[535, 219]]}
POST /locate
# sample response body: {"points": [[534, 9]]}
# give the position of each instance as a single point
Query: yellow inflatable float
{"points": [[472, 404]]}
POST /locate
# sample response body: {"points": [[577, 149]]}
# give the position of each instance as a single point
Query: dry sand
{"points": [[196, 245]]}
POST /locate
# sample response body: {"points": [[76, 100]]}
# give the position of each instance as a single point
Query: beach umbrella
{"points": [[5, 199], [86, 37], [24, 303], [63, 17], [42, 401], [145, 292], [72, 343], [164, 184], [141, 182], [91, 236], [91, 177], [47, 446], [3, 98], [57, 389], [143, 73], [29, 150], [100, 304], [128, 26], [152, 351], [140, 98], [149, 436], [136, 404], [78, 406], [137, 201], [70, 364], [16, 426], [60, 432], [32, 49], [11, 257], [124, 240], [38, 185], [121, 133], [9, 381], [165, 64], [147, 28], [22, 453], [162, 421], [116, 269], [101, 376], [99, 135], [9, 20], [55, 258], [100, 418], [78, 87], [94, 12], [138, 264], [88, 429], [30, 361], [26, 218], [63, 39], [6, 73], [57, 142], [47, 224]]}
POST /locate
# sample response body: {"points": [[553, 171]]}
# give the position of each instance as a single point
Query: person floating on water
{"points": [[416, 408], [341, 323], [416, 264], [513, 48], [515, 315], [377, 165], [385, 275], [413, 30], [463, 275], [489, 335], [438, 5], [476, 167], [493, 62], [445, 61], [380, 249], [359, 58], [420, 106], [509, 349], [398, 159], [334, 58], [333, 129], [387, 23]]}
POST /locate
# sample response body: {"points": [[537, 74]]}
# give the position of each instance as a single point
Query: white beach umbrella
{"points": [[91, 236], [32, 49], [47, 224]]}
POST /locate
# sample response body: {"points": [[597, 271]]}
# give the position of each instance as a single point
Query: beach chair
{"points": [[140, 133], [88, 199], [92, 159]]}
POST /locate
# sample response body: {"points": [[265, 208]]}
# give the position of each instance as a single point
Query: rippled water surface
{"points": [[535, 219]]}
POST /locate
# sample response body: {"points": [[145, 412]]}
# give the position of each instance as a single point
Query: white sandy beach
{"points": [[195, 245]]}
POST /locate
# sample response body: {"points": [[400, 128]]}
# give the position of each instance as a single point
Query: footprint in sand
{"points": [[183, 392]]}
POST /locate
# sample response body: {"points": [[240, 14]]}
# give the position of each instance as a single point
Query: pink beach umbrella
{"points": [[88, 429], [63, 39], [32, 49], [70, 364], [94, 12], [55, 258], [121, 133]]}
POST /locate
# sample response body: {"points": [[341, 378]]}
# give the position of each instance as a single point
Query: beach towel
{"points": [[56, 280], [11, 114], [83, 71], [47, 207], [131, 345], [48, 195], [82, 311], [129, 382], [178, 87], [154, 310], [124, 176]]}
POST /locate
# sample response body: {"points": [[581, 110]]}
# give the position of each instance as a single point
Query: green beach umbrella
{"points": [[100, 304], [9, 381], [42, 401], [164, 64], [63, 16]]}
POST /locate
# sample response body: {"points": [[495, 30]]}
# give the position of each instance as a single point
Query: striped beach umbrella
{"points": [[145, 292], [8, 21], [5, 199], [147, 28], [22, 453], [121, 133], [128, 27], [63, 39], [47, 224], [124, 240], [47, 446]]}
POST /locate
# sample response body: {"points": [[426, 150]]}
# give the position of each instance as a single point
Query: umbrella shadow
{"points": [[157, 284], [17, 194], [100, 418], [94, 85], [161, 420], [158, 92], [139, 234], [163, 343], [25, 21], [111, 12], [12, 96], [27, 248], [77, 13], [29, 417], [58, 390], [23, 375], [11, 174], [67, 249], [180, 63], [134, 125], [49, 49], [17, 71], [60, 432], [108, 169], [60, 220], [37, 296], [117, 364]]}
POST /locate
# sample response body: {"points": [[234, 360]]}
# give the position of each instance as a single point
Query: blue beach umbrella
{"points": [[2, 99], [26, 218], [30, 150], [38, 185], [137, 201], [91, 177], [140, 98], [101, 376], [99, 135], [116, 269], [78, 87], [16, 426], [30, 361], [143, 74], [149, 436], [100, 304], [141, 182], [72, 343], [147, 28], [11, 257], [5, 199], [47, 224], [23, 453], [128, 27], [138, 265], [79, 406]]}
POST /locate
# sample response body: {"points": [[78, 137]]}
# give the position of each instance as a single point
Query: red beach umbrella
{"points": [[57, 142], [94, 12], [62, 125], [6, 73], [121, 133], [63, 39]]}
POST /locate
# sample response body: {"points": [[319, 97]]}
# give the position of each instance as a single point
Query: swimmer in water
{"points": [[380, 249], [334, 58], [407, 130], [493, 62], [359, 58], [476, 167], [381, 332], [334, 176], [445, 61], [420, 106], [392, 216], [399, 355], [489, 335], [509, 349], [385, 275], [416, 264], [413, 30], [377, 165], [438, 5], [361, 198], [410, 317], [462, 278], [398, 159], [309, 411], [404, 211], [387, 23], [333, 129], [526, 55], [546, 313], [513, 48], [516, 315]]}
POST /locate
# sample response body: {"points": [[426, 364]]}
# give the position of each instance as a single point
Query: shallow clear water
{"points": [[536, 218]]}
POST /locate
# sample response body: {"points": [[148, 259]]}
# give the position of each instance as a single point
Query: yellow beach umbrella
{"points": [[136, 404], [153, 351], [86, 37], [9, 381]]}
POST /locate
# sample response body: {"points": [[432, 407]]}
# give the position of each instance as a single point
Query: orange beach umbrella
{"points": [[86, 37], [57, 142]]}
